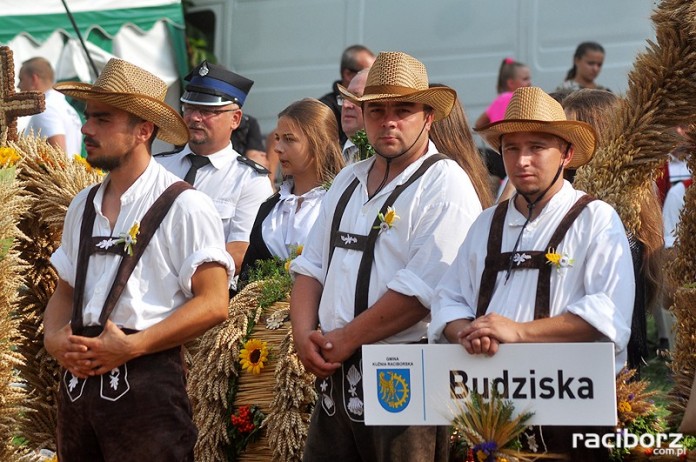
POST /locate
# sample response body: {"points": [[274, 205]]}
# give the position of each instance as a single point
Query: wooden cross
{"points": [[13, 105]]}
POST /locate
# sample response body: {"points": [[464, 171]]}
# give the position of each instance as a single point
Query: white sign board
{"points": [[562, 383]]}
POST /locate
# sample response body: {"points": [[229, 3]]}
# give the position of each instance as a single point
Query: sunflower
{"points": [[253, 355]]}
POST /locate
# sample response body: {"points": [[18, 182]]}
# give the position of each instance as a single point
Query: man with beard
{"points": [[212, 110], [142, 269]]}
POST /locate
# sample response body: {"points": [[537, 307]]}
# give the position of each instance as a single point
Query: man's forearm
{"points": [[304, 304], [391, 314]]}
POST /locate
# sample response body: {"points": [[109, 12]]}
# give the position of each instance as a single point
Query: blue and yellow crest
{"points": [[393, 388]]}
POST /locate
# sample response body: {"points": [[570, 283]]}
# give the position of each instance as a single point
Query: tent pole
{"points": [[79, 36]]}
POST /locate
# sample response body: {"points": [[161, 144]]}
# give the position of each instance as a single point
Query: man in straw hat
{"points": [[550, 264], [212, 110], [383, 239], [142, 269]]}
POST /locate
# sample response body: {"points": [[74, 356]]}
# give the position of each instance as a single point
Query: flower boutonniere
{"points": [[386, 220], [129, 239], [558, 260]]}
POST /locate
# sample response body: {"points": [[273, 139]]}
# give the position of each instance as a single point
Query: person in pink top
{"points": [[511, 76]]}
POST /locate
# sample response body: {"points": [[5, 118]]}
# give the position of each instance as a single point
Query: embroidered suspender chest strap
{"points": [[150, 222], [497, 261], [368, 242]]}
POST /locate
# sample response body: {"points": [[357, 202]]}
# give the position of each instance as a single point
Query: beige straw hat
{"points": [[396, 76], [132, 89], [532, 110]]}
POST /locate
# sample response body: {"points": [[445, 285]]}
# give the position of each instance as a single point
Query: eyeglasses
{"points": [[204, 113]]}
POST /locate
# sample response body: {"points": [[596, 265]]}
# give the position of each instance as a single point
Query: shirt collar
{"points": [[139, 188], [220, 158], [286, 194], [516, 218], [363, 168]]}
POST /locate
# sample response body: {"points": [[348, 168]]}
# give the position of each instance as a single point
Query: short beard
{"points": [[105, 163]]}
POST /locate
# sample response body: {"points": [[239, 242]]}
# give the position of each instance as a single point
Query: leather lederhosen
{"points": [[548, 438], [497, 261], [89, 245], [351, 370], [89, 409]]}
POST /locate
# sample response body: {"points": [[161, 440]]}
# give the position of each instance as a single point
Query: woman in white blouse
{"points": [[309, 155]]}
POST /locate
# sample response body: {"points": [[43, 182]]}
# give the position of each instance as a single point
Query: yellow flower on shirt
{"points": [[387, 220], [129, 239], [558, 260]]}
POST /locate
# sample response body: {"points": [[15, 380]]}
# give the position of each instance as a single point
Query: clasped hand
{"points": [[323, 353], [90, 356], [485, 334]]}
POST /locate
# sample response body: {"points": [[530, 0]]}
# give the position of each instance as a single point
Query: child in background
{"points": [[511, 76]]}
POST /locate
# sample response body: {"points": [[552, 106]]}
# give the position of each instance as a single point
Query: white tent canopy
{"points": [[148, 33]]}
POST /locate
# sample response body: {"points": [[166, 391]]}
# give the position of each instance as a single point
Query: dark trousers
{"points": [[138, 412], [335, 437]]}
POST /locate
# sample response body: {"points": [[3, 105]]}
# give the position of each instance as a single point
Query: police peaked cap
{"points": [[214, 85]]}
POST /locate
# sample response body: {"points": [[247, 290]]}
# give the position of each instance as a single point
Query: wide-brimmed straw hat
{"points": [[532, 110], [134, 90], [396, 76]]}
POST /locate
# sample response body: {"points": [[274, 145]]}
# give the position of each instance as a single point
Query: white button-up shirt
{"points": [[190, 235], [288, 225], [410, 258], [237, 190], [674, 203], [599, 286]]}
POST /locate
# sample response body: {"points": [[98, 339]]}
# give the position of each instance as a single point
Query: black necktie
{"points": [[196, 163]]}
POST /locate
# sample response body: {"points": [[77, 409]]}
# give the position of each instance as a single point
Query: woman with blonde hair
{"points": [[309, 155]]}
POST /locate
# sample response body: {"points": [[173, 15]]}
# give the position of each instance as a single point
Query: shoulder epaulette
{"points": [[169, 153], [250, 163]]}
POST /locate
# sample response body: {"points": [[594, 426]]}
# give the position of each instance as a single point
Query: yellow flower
{"points": [[78, 159], [553, 257], [624, 407], [253, 355], [559, 261], [133, 232], [8, 157], [295, 251], [129, 239], [386, 220], [391, 216]]}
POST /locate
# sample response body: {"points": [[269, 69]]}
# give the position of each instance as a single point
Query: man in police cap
{"points": [[212, 109]]}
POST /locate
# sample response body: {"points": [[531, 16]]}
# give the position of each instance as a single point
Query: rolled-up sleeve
{"points": [[65, 256], [609, 283], [199, 237]]}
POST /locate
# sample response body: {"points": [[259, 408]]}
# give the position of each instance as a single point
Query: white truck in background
{"points": [[292, 48]]}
